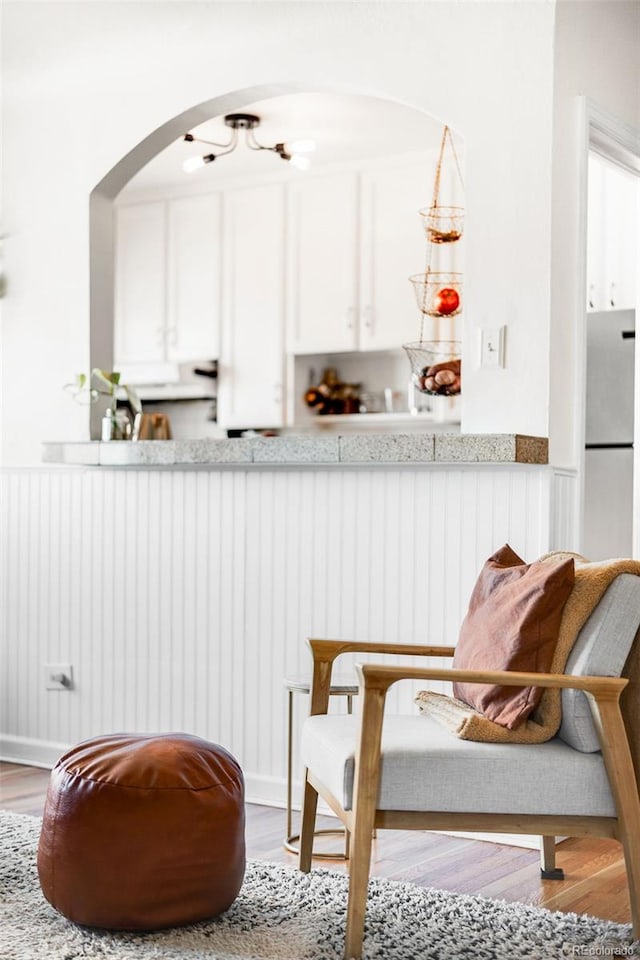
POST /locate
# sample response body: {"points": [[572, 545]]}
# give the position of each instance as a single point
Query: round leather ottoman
{"points": [[143, 831]]}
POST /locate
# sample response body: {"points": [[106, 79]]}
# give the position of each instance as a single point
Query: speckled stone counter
{"points": [[351, 450]]}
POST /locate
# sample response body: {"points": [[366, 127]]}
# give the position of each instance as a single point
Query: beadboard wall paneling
{"points": [[565, 499], [182, 598]]}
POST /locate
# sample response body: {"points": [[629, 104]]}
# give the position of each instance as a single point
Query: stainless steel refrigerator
{"points": [[608, 505]]}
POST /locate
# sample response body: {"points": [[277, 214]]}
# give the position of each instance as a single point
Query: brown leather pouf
{"points": [[143, 831]]}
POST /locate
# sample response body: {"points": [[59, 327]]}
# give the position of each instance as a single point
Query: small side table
{"points": [[340, 688]]}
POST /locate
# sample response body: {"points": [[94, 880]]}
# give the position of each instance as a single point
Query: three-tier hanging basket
{"points": [[436, 367]]}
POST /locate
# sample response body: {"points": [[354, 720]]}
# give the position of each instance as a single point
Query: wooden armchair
{"points": [[377, 775]]}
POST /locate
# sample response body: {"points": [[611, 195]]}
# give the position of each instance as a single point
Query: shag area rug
{"points": [[282, 914]]}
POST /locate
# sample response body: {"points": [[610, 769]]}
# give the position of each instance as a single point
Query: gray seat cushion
{"points": [[600, 650], [424, 767]]}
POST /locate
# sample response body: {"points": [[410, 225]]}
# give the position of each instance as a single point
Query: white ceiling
{"points": [[345, 128]]}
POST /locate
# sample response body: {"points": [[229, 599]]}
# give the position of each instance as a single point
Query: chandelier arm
{"points": [[189, 138], [253, 144], [279, 148], [230, 147]]}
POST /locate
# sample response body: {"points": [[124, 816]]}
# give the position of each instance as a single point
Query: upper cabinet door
{"points": [[323, 264], [140, 239], [251, 377], [612, 237], [393, 247], [621, 253], [193, 278]]}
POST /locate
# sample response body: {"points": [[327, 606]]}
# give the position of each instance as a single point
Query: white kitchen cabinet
{"points": [[167, 281], [251, 372], [193, 278], [353, 242], [140, 287], [323, 264], [612, 237], [332, 253], [392, 247]]}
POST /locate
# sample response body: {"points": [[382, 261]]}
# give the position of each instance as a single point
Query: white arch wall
{"points": [[85, 83]]}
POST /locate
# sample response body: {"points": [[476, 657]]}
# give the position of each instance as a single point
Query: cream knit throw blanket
{"points": [[592, 579]]}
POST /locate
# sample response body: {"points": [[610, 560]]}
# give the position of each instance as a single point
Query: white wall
{"points": [[84, 83], [597, 55]]}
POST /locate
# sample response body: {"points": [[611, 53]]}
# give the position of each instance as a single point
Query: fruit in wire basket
{"points": [[446, 301], [443, 379]]}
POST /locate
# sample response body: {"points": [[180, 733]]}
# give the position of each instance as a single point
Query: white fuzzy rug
{"points": [[282, 914]]}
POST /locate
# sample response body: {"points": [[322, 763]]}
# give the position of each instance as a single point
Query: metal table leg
{"points": [[292, 838]]}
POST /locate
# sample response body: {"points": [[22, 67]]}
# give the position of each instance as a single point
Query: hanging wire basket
{"points": [[438, 294], [442, 224], [436, 366]]}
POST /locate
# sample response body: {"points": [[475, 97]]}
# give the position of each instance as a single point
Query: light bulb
{"points": [[299, 162], [194, 163], [302, 146]]}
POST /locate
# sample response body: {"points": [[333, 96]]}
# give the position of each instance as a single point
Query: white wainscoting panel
{"points": [[565, 531], [182, 598]]}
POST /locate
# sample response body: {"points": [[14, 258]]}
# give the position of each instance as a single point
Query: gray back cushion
{"points": [[600, 650]]}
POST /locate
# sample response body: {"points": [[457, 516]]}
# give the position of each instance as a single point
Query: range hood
{"points": [[171, 381]]}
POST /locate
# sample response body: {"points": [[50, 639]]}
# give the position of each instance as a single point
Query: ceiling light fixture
{"points": [[293, 153]]}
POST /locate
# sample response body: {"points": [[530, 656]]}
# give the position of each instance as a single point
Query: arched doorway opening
{"points": [[404, 127]]}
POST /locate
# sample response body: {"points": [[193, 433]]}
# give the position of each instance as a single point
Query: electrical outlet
{"points": [[492, 347], [58, 676]]}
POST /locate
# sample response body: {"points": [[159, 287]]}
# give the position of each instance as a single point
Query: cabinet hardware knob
{"points": [[349, 318], [612, 300], [591, 300], [368, 317]]}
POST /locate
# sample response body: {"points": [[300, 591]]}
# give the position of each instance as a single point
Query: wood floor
{"points": [[595, 879]]}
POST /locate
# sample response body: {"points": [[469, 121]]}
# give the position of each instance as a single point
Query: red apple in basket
{"points": [[446, 301]]}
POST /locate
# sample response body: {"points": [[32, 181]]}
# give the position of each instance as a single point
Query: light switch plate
{"points": [[492, 347]]}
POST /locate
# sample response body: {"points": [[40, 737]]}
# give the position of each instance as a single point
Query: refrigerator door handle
{"points": [[608, 446]]}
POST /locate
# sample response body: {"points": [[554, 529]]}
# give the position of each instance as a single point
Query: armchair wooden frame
{"points": [[375, 680]]}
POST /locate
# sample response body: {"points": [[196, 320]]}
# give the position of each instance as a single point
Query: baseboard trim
{"points": [[33, 753], [267, 791], [528, 841]]}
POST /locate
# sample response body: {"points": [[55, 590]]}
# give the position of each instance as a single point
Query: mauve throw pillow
{"points": [[512, 624]]}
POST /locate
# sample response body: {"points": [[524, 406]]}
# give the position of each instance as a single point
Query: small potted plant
{"points": [[116, 425]]}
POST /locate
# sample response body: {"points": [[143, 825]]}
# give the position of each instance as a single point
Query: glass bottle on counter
{"points": [[108, 425], [116, 424]]}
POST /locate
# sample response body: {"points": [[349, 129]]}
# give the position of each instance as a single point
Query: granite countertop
{"points": [[353, 449]]}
